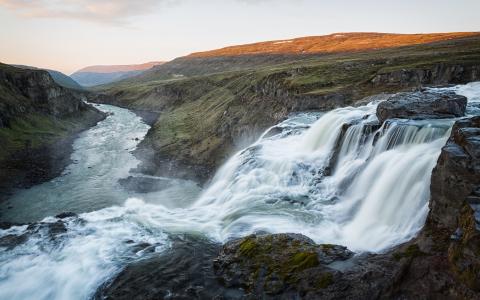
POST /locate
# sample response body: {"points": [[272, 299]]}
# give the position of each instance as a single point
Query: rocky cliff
{"points": [[38, 119]]}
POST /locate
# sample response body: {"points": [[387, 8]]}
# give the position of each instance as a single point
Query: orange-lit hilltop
{"points": [[338, 42], [120, 68]]}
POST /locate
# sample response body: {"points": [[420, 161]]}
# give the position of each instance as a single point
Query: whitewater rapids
{"points": [[361, 185]]}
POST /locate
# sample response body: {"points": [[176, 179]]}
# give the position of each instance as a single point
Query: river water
{"points": [[372, 197]]}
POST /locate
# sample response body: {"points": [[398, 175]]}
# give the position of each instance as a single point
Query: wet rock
{"points": [[52, 229], [65, 215], [7, 225], [182, 272], [144, 184], [11, 241], [422, 105], [290, 265]]}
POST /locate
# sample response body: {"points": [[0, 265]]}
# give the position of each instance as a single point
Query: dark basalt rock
{"points": [[456, 176], [455, 189], [65, 215], [7, 225], [52, 229], [183, 272], [422, 105], [144, 184]]}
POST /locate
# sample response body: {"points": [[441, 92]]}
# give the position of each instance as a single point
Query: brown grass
{"points": [[333, 43]]}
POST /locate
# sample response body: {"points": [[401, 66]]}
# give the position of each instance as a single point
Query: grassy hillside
{"points": [[205, 116], [333, 43]]}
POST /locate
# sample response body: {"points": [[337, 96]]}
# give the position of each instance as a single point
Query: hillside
{"points": [[216, 104], [37, 119], [97, 75], [59, 77], [333, 43]]}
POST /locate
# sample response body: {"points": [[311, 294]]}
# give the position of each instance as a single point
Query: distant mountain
{"points": [[58, 77], [97, 75]]}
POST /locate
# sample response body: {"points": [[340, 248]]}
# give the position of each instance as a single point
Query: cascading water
{"points": [[336, 177], [376, 196]]}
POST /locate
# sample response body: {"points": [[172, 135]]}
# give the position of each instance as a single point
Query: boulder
{"points": [[290, 265], [425, 104], [184, 271]]}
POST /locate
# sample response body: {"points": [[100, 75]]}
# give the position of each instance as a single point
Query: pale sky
{"points": [[67, 35]]}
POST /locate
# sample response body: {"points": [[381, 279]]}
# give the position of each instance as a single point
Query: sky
{"points": [[67, 35]]}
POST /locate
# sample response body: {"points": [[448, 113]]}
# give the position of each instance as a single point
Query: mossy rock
{"points": [[278, 263]]}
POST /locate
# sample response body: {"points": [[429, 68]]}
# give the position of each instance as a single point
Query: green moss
{"points": [[248, 247], [304, 260]]}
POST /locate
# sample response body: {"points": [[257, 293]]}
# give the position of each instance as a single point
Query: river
{"points": [[284, 182]]}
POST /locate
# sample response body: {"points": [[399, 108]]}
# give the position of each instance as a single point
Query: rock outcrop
{"points": [[455, 192], [427, 104]]}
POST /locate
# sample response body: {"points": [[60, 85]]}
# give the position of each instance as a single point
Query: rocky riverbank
{"points": [[38, 122]]}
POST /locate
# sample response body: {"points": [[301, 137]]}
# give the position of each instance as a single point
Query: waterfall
{"points": [[375, 194]]}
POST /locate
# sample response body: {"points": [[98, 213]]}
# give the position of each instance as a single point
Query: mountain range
{"points": [[103, 74]]}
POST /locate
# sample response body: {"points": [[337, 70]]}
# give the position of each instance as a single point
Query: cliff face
{"points": [[439, 74], [38, 119]]}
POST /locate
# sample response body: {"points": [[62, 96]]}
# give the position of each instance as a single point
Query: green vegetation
{"points": [[35, 130]]}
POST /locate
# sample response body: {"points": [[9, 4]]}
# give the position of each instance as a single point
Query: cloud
{"points": [[116, 12]]}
